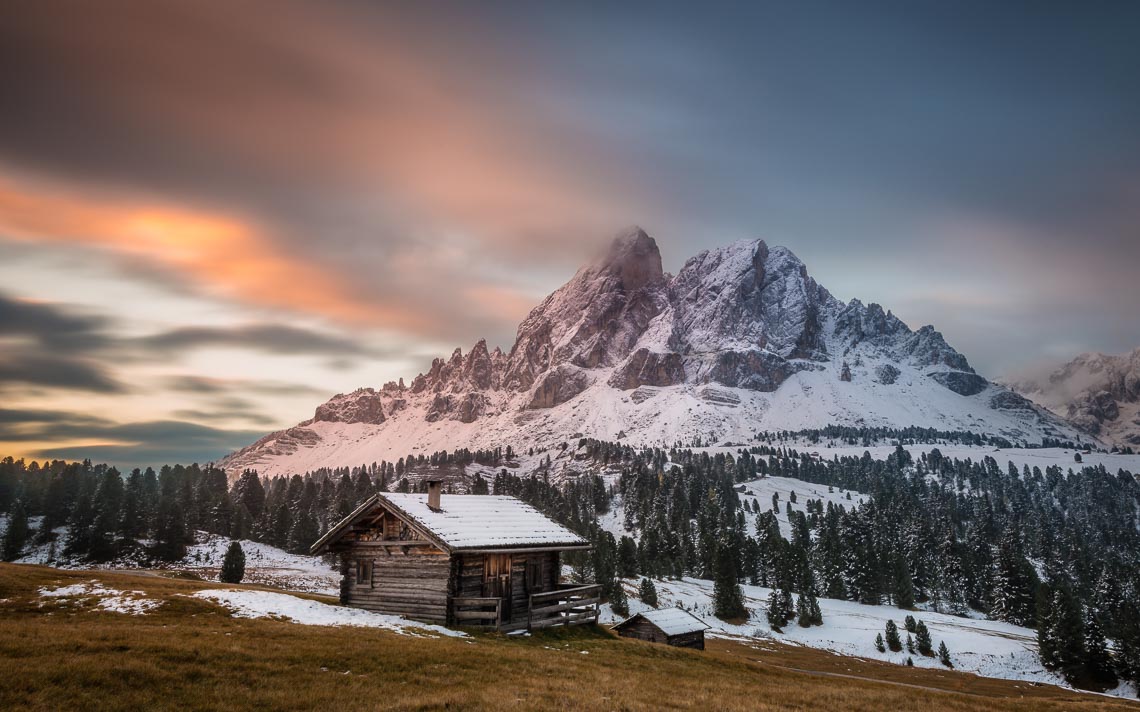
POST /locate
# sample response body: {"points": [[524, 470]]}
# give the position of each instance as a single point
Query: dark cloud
{"points": [[128, 444], [215, 386], [267, 338], [55, 327], [25, 367]]}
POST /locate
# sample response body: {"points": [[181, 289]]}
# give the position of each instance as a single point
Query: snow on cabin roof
{"points": [[671, 621], [467, 521]]}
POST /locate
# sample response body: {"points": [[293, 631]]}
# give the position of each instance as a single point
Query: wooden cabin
{"points": [[482, 560], [671, 626]]}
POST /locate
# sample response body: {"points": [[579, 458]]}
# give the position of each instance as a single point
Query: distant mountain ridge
{"points": [[1097, 393], [741, 340]]}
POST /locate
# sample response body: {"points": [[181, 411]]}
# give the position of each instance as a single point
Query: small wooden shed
{"points": [[671, 626], [483, 560]]}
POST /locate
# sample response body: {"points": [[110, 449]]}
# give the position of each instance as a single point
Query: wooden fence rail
{"points": [[568, 605], [482, 612]]}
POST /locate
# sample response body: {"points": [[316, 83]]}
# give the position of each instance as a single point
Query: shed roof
{"points": [[466, 522], [671, 621]]}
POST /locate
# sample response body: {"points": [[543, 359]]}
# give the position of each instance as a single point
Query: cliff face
{"points": [[743, 318], [1098, 393]]}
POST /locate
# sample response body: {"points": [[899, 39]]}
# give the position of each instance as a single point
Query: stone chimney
{"points": [[434, 488]]}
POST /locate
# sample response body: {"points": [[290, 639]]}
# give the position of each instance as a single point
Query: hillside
{"points": [[741, 341], [64, 650]]}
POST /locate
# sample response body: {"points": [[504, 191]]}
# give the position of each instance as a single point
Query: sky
{"points": [[214, 216]]}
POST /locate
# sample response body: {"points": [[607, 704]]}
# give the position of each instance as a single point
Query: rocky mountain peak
{"points": [[634, 259]]}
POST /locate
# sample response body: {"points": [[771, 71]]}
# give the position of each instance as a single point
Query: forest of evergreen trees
{"points": [[1058, 550]]}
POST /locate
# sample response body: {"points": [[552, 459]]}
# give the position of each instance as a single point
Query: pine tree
{"points": [[16, 535], [647, 592], [893, 641], [944, 654], [909, 644], [233, 565], [909, 624], [728, 599], [1060, 634], [922, 641], [619, 602], [803, 611], [879, 645], [1098, 664]]}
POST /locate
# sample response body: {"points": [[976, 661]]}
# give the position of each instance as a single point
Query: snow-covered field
{"points": [[104, 598], [264, 564], [266, 604], [988, 648]]}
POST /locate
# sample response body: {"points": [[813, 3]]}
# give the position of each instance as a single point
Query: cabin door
{"points": [[497, 580]]}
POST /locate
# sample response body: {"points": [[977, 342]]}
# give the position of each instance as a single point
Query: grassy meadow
{"points": [[191, 654]]}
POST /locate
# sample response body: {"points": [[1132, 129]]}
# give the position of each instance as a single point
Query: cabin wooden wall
{"points": [[414, 585], [644, 630], [689, 640]]}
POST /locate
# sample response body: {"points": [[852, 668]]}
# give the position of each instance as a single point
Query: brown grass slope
{"points": [[190, 654]]}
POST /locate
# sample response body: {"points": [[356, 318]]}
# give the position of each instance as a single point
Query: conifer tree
{"points": [[803, 611], [944, 654], [879, 645], [728, 599], [893, 641], [16, 535], [1098, 664], [922, 641], [909, 624], [909, 644], [647, 592], [233, 564]]}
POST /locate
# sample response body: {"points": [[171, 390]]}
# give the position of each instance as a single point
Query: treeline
{"points": [[1053, 549]]}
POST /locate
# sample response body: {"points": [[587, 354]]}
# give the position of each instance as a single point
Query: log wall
{"points": [[413, 585]]}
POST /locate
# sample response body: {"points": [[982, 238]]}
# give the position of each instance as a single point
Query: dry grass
{"points": [[190, 654]]}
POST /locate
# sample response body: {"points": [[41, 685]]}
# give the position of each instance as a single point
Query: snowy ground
{"points": [[266, 604], [98, 595], [264, 565], [988, 648]]}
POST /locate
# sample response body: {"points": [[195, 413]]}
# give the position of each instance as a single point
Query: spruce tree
{"points": [[922, 641], [233, 565], [16, 535], [619, 602], [909, 644], [1098, 664], [909, 624], [647, 592], [944, 654], [879, 645], [893, 641], [728, 599], [803, 611]]}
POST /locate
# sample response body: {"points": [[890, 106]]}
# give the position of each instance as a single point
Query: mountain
{"points": [[741, 340], [1097, 393]]}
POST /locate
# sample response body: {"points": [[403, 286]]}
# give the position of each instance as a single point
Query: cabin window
{"points": [[363, 572], [534, 582]]}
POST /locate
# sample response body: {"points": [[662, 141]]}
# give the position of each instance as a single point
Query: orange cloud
{"points": [[222, 255]]}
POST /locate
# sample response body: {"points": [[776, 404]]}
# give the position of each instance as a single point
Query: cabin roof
{"points": [[467, 522], [671, 621]]}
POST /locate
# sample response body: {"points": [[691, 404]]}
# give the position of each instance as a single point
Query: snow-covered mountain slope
{"points": [[988, 648], [1097, 393], [740, 341]]}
